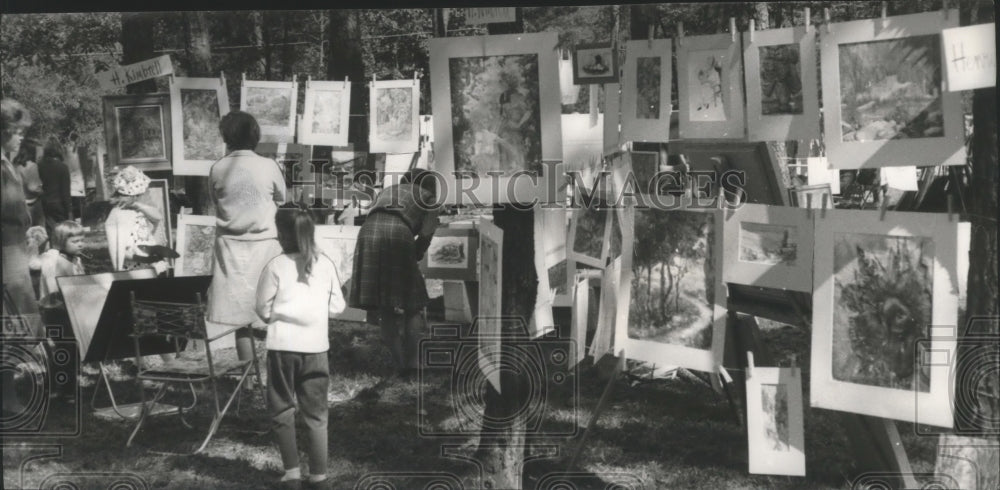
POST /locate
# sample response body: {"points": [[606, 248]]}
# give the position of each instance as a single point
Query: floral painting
{"points": [[200, 112], [780, 80], [141, 134], [891, 89], [271, 106], [774, 403], [496, 119], [647, 82], [882, 306], [394, 113], [705, 101], [768, 244]]}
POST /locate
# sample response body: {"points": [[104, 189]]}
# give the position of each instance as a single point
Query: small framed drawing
{"points": [[497, 109], [768, 246], [646, 106], [775, 433], [886, 100], [452, 255], [710, 87], [338, 242], [885, 314], [196, 106], [395, 118], [671, 300], [325, 113], [811, 196], [274, 105], [195, 245], [594, 63], [782, 90], [137, 130]]}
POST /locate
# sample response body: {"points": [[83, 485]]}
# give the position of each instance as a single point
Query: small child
{"points": [[297, 293], [63, 259]]}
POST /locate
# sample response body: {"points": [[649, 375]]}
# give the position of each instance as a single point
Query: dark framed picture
{"points": [[594, 63], [451, 255], [137, 130]]}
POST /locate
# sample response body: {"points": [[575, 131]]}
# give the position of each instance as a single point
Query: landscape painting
{"points": [[774, 404], [768, 243], [326, 111], [775, 434], [449, 252], [647, 87], [704, 72], [394, 114], [338, 243], [142, 135], [495, 112], [673, 285], [588, 235], [891, 89], [195, 245], [780, 79], [200, 113], [882, 300], [271, 106]]}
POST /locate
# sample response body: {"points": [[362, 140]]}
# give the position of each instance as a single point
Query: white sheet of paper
{"points": [[970, 55], [902, 178], [818, 172]]}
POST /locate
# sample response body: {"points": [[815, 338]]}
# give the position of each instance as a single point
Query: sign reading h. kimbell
{"points": [[136, 72]]}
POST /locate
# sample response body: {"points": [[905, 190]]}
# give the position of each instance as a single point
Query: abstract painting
{"points": [[646, 104], [594, 63], [195, 245], [888, 104], [274, 105], [196, 106], [768, 246], [451, 255], [325, 113], [137, 130], [885, 311], [395, 119], [774, 421], [497, 102], [782, 89], [490, 297], [710, 87]]}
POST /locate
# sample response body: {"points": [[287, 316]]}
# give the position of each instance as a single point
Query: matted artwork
{"points": [[710, 87], [395, 118], [196, 106], [671, 301], [84, 296], [490, 283], [195, 245], [137, 130], [768, 246], [646, 104], [274, 105], [775, 434], [589, 234], [451, 255], [325, 113], [338, 242], [594, 63], [885, 311], [782, 90], [502, 95], [885, 95], [811, 196]]}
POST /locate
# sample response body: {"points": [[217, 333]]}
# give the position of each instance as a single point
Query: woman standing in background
{"points": [[31, 182], [56, 203]]}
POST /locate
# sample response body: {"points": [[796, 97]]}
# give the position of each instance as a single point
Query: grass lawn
{"points": [[662, 433]]}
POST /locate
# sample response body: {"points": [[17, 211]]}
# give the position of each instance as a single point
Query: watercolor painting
{"points": [[271, 106], [200, 112], [326, 111], [774, 403], [768, 244], [196, 245], [394, 114], [705, 102], [780, 79], [647, 88]]}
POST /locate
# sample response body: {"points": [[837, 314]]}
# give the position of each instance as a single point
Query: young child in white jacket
{"points": [[297, 293]]}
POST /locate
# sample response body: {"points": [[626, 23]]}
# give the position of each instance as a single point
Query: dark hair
{"points": [[53, 149], [27, 152], [13, 117], [296, 233], [239, 130], [421, 178]]}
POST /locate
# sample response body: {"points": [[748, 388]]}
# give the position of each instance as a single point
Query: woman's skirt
{"points": [[238, 264], [386, 274], [19, 296]]}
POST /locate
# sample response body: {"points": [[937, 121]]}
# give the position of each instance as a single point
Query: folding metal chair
{"points": [[182, 323]]}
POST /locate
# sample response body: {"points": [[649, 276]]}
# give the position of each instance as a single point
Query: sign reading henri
{"points": [[971, 56], [136, 72]]}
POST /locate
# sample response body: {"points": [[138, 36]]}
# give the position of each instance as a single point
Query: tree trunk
{"points": [[199, 64], [257, 38], [287, 50], [345, 61], [137, 45]]}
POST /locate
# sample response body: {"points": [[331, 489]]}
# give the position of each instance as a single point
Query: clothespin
{"points": [[222, 78], [951, 203], [807, 18], [295, 79], [750, 365], [794, 362], [722, 197], [752, 25], [826, 19], [826, 199], [415, 77], [680, 33], [347, 79], [243, 78], [725, 374], [884, 207], [732, 28], [809, 203], [309, 80], [649, 36], [373, 79], [885, 12]]}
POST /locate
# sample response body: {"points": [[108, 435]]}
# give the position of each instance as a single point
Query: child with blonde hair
{"points": [[62, 259]]}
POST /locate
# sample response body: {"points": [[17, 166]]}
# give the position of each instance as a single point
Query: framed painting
{"points": [[646, 99], [589, 236], [885, 314], [768, 246], [612, 118], [395, 116], [811, 196], [274, 105], [671, 300], [196, 106], [498, 114], [594, 63], [490, 283], [885, 98], [775, 434], [338, 242], [137, 130], [195, 245], [325, 113], [451, 255], [710, 87], [782, 90]]}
